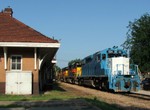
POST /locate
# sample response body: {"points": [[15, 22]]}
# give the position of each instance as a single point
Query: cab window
{"points": [[103, 56], [98, 57], [89, 59]]}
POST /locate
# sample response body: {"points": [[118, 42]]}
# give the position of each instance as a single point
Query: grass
{"points": [[94, 101], [53, 95], [57, 94]]}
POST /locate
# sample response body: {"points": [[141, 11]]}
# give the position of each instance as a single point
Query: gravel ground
{"points": [[125, 101]]}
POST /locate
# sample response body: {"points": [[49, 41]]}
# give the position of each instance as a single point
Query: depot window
{"points": [[16, 62]]}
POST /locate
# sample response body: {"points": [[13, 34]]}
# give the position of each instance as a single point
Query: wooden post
{"points": [[35, 58], [5, 58]]}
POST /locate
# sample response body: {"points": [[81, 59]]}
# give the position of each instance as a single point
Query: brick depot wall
{"points": [[27, 64], [2, 72]]}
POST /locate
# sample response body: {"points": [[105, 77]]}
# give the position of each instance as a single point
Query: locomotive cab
{"points": [[74, 71]]}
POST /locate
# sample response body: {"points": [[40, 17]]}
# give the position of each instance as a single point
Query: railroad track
{"points": [[145, 95], [132, 101], [142, 94]]}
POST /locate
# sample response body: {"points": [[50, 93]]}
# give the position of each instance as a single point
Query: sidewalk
{"points": [[76, 104]]}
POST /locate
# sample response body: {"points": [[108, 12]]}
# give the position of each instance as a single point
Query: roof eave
{"points": [[29, 44]]}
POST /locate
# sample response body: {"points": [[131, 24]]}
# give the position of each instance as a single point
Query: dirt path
{"points": [[125, 101]]}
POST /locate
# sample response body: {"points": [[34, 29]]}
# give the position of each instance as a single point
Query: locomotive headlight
{"points": [[132, 76]]}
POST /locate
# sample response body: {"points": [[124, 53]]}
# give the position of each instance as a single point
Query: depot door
{"points": [[18, 83]]}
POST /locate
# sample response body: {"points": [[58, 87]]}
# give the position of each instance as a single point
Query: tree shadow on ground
{"points": [[53, 86], [56, 86]]}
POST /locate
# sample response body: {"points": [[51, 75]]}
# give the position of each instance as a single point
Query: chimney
{"points": [[8, 11]]}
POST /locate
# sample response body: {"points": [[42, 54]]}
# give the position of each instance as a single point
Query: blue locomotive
{"points": [[110, 69]]}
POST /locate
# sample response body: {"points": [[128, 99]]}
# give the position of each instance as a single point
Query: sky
{"points": [[83, 27]]}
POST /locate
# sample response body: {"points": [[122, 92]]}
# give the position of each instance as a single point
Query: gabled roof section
{"points": [[12, 30]]}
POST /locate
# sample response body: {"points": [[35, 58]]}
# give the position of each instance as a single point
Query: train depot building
{"points": [[26, 57]]}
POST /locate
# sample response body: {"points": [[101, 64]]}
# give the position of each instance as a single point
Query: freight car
{"points": [[110, 69]]}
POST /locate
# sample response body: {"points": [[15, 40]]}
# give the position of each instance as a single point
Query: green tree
{"points": [[73, 61], [138, 42], [56, 69]]}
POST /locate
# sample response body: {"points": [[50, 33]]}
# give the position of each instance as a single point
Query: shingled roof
{"points": [[12, 30]]}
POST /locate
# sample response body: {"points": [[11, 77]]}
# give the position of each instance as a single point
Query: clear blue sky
{"points": [[83, 26]]}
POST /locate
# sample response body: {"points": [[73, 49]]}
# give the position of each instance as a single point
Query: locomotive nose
{"points": [[127, 84]]}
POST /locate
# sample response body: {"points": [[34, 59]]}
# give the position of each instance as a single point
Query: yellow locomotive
{"points": [[74, 72], [70, 73], [64, 74]]}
